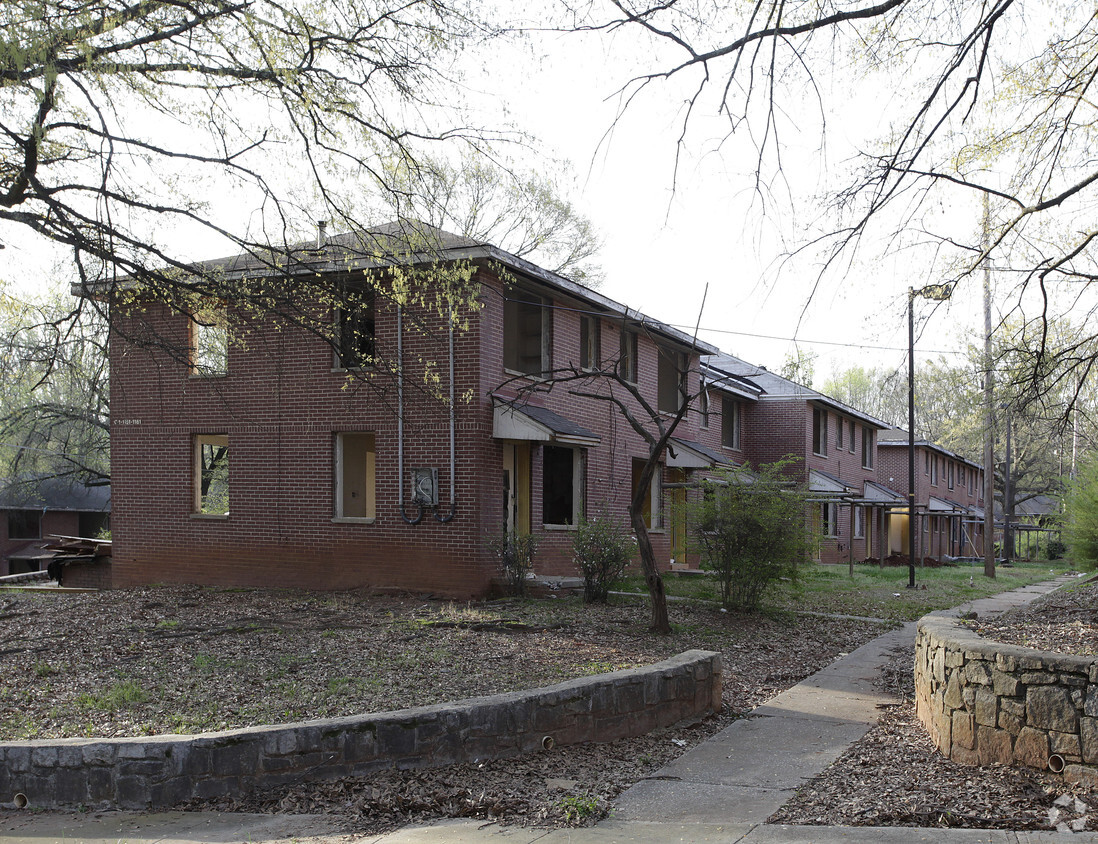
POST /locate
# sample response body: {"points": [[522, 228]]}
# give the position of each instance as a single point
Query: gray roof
{"points": [[409, 242], [30, 493], [555, 422], [715, 456], [776, 387], [899, 437]]}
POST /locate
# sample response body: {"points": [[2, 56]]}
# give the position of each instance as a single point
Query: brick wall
{"points": [[281, 405]]}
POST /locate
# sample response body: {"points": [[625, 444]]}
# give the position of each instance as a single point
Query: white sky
{"points": [[661, 248]]}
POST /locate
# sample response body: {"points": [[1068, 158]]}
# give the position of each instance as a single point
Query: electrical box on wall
{"points": [[425, 486]]}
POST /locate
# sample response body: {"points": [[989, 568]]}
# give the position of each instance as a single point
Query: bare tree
{"points": [[54, 420], [611, 382], [135, 136], [990, 99]]}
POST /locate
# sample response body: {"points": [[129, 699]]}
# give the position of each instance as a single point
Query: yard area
{"points": [[188, 659]]}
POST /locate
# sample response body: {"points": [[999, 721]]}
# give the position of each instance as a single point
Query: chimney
{"points": [[321, 234]]}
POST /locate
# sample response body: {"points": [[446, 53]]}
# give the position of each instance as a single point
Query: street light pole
{"points": [[911, 438], [938, 293]]}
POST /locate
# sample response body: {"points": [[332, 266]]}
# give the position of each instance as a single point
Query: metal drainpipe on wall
{"points": [[400, 421]]}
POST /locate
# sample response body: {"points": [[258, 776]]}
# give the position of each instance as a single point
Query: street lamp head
{"points": [[937, 292]]}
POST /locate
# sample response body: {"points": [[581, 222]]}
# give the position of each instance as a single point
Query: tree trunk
{"points": [[660, 622]]}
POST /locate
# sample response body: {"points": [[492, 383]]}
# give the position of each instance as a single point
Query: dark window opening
{"points": [[24, 524], [355, 326], [559, 486]]}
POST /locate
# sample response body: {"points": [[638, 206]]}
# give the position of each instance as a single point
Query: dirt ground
{"points": [[144, 661]]}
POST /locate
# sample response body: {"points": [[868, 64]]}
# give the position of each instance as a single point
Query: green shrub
{"points": [[1081, 516], [752, 531], [1056, 549], [515, 553], [602, 549]]}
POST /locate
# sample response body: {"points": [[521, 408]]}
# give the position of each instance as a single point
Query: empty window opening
{"points": [[211, 454], [355, 496], [672, 380], [730, 422], [525, 333], [651, 507], [590, 345], [627, 363], [562, 485], [209, 341], [356, 326], [24, 524], [819, 431]]}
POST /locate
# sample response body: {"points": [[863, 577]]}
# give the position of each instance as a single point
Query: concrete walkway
{"points": [[720, 791]]}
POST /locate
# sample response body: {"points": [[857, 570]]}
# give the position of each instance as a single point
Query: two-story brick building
{"points": [[249, 449], [835, 451], [949, 497]]}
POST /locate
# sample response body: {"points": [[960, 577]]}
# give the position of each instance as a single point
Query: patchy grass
{"points": [[873, 591]]}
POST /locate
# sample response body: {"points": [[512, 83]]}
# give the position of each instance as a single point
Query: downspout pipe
{"points": [[400, 422], [453, 426]]}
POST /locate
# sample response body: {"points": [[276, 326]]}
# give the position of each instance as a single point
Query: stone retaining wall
{"points": [[984, 702], [162, 771]]}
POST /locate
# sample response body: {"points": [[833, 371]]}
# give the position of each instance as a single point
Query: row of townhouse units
{"points": [[250, 446]]}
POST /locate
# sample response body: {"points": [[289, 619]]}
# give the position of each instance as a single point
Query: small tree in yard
{"points": [[515, 553], [752, 531], [1081, 517], [602, 550]]}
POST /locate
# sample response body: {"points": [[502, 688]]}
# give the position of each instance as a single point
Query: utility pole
{"points": [[989, 407]]}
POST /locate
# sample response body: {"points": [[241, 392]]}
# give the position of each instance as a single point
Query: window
{"points": [[671, 376], [652, 508], [933, 470], [851, 436], [867, 447], [355, 327], [211, 474], [590, 343], [730, 422], [627, 363], [829, 519], [24, 524], [526, 333], [927, 460], [93, 524], [819, 431], [562, 485], [209, 341], [839, 434], [703, 405], [859, 522], [971, 481], [355, 461]]}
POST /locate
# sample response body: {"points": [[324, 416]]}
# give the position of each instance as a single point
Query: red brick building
{"points": [[253, 450], [949, 497], [835, 452], [34, 509]]}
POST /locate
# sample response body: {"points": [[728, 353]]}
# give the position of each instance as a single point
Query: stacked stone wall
{"points": [[983, 702], [162, 771]]}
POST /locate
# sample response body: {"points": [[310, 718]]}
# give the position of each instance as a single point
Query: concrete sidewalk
{"points": [[720, 791]]}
